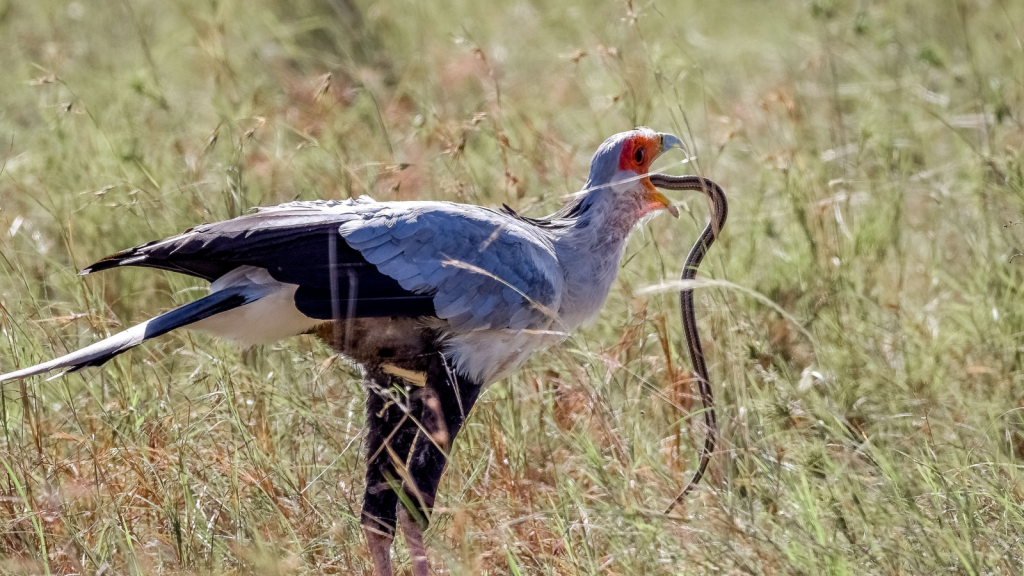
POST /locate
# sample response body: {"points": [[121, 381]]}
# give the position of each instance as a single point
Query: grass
{"points": [[864, 330]]}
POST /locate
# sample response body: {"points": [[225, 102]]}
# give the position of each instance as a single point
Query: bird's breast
{"points": [[487, 356], [587, 287]]}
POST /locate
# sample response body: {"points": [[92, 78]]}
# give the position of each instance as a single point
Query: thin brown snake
{"points": [[719, 212]]}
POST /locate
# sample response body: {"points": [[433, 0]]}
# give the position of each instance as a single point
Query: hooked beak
{"points": [[669, 141], [655, 199]]}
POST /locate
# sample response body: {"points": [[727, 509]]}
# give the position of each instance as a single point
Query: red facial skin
{"points": [[651, 199], [628, 159]]}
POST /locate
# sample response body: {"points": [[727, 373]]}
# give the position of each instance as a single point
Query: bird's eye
{"points": [[638, 156]]}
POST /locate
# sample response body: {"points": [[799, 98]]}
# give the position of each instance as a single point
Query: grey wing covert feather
{"points": [[486, 270]]}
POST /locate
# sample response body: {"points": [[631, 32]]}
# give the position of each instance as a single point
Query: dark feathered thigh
{"points": [[415, 407], [407, 343]]}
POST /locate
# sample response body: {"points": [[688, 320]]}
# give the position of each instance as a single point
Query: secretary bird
{"points": [[435, 300]]}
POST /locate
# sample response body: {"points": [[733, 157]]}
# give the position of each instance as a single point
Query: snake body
{"points": [[719, 213]]}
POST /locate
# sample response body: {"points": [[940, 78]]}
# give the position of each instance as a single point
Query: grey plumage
{"points": [[462, 255]]}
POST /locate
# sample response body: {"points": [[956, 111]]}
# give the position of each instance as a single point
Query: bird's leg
{"points": [[414, 540], [379, 544]]}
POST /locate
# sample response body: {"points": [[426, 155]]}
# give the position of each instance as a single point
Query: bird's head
{"points": [[621, 164]]}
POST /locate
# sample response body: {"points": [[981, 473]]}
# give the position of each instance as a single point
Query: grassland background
{"points": [[867, 356]]}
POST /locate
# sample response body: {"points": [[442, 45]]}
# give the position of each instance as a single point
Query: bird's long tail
{"points": [[98, 353]]}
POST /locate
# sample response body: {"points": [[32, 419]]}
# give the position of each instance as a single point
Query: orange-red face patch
{"points": [[637, 153]]}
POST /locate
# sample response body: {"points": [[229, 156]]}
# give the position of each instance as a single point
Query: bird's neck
{"points": [[590, 250]]}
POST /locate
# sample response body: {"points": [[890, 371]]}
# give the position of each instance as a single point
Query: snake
{"points": [[716, 221]]}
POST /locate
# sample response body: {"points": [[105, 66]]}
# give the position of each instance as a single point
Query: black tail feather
{"points": [[102, 351]]}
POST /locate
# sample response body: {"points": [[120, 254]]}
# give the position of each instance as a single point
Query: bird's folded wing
{"points": [[471, 266]]}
